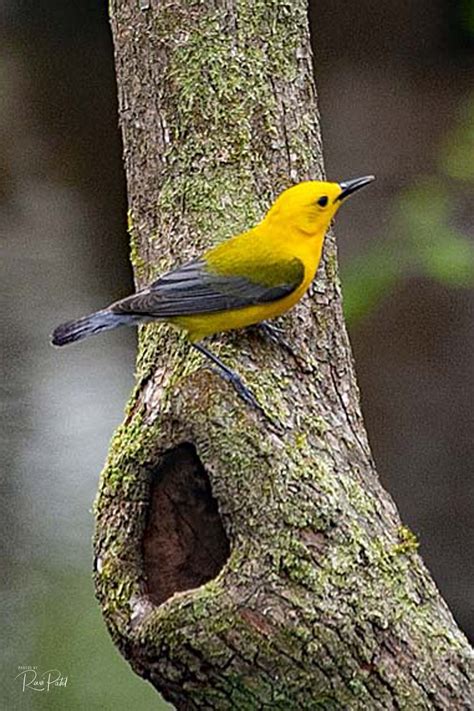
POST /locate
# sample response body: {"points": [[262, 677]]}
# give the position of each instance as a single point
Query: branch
{"points": [[238, 565]]}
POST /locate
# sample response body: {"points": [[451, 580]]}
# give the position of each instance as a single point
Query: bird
{"points": [[245, 280]]}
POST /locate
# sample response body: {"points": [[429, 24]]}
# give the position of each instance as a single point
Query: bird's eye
{"points": [[323, 201]]}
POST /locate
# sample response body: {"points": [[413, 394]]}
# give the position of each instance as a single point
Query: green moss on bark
{"points": [[323, 602]]}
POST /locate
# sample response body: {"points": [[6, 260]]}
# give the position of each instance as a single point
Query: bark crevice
{"points": [[184, 541]]}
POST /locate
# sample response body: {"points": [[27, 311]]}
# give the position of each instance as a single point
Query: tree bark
{"points": [[245, 561]]}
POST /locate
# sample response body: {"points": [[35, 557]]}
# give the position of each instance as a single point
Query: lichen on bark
{"points": [[313, 595]]}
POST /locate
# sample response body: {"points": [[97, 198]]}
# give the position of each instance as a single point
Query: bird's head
{"points": [[308, 208]]}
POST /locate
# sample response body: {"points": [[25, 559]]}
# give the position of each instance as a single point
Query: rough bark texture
{"points": [[239, 564]]}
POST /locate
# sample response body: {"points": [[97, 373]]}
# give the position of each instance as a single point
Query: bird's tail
{"points": [[89, 326]]}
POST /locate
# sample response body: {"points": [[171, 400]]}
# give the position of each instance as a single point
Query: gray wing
{"points": [[193, 289]]}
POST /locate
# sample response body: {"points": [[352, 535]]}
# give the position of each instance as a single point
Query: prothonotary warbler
{"points": [[249, 278]]}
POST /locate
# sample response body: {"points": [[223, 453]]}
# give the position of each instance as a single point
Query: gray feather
{"points": [[193, 289]]}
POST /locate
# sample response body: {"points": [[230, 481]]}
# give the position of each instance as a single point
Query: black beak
{"points": [[350, 186]]}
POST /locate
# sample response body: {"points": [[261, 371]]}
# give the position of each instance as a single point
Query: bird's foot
{"points": [[236, 381], [272, 332], [275, 335], [239, 386]]}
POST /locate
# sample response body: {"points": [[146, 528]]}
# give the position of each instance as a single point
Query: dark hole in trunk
{"points": [[184, 543]]}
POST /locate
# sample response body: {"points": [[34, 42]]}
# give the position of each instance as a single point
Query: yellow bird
{"points": [[249, 278]]}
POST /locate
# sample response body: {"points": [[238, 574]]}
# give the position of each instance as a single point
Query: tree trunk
{"points": [[243, 560]]}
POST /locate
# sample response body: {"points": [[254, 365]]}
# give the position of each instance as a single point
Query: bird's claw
{"points": [[240, 388]]}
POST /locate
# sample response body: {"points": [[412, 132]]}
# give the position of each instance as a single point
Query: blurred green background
{"points": [[396, 98]]}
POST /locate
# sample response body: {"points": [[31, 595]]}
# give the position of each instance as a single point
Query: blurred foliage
{"points": [[66, 632], [465, 11], [457, 155], [424, 239]]}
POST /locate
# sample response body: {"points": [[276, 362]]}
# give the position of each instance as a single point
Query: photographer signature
{"points": [[31, 679]]}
